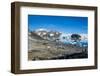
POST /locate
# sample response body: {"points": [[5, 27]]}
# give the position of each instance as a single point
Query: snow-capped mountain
{"points": [[64, 37], [41, 29]]}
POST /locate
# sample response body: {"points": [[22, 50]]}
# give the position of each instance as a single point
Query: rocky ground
{"points": [[47, 50]]}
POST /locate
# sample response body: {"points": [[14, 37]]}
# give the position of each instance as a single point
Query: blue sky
{"points": [[64, 24]]}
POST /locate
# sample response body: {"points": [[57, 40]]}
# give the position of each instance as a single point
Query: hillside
{"points": [[40, 49]]}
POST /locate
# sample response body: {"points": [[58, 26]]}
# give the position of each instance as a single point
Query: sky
{"points": [[63, 24]]}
